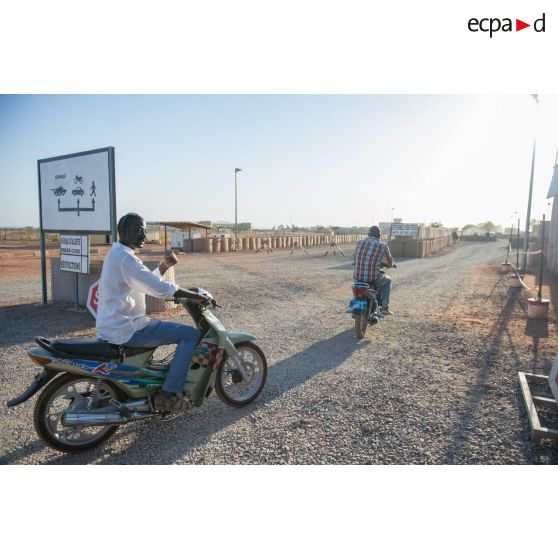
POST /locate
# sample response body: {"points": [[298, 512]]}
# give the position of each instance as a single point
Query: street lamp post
{"points": [[236, 171], [528, 220]]}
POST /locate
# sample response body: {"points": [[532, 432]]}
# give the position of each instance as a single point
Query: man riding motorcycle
{"points": [[121, 318], [369, 255]]}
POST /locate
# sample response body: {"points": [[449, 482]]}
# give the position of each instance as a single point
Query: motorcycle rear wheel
{"points": [[51, 405], [360, 325], [229, 385]]}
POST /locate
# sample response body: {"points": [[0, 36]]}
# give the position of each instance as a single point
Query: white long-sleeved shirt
{"points": [[124, 283]]}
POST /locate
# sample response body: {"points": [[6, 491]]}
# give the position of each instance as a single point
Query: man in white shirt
{"points": [[121, 318]]}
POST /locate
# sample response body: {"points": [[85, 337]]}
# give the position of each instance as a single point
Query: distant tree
{"points": [[488, 226], [469, 227], [436, 224], [281, 228]]}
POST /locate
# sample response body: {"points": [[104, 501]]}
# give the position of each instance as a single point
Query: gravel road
{"points": [[423, 386]]}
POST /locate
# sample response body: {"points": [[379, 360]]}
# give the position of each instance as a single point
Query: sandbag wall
{"points": [[252, 242], [429, 240]]}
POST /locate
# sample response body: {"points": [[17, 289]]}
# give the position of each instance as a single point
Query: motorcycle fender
{"points": [[40, 381], [357, 307], [238, 336]]}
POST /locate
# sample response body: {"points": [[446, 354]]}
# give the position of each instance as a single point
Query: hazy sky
{"points": [[306, 159]]}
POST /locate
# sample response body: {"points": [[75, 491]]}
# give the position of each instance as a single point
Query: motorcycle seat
{"points": [[361, 285], [86, 347]]}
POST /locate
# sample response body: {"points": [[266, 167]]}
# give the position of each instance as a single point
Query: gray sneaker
{"points": [[386, 311], [169, 402]]}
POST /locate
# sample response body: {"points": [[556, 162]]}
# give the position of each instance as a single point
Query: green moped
{"points": [[90, 387]]}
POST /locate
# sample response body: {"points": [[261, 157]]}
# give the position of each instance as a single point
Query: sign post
{"points": [[76, 195], [74, 257]]}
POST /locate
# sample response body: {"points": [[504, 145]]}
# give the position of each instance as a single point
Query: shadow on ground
{"points": [[499, 339], [21, 323]]}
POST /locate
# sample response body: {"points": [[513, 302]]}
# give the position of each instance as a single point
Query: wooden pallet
{"points": [[539, 432]]}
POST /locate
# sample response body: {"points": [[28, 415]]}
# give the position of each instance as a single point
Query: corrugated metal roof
{"points": [[184, 225]]}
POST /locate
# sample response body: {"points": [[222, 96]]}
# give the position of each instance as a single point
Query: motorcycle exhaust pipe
{"points": [[101, 419]]}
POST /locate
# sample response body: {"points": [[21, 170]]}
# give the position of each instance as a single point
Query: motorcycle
{"points": [[91, 387], [365, 306]]}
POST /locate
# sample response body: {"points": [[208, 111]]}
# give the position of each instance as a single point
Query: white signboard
{"points": [[76, 192], [74, 253], [404, 229]]}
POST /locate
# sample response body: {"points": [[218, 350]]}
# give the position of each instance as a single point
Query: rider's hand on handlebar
{"points": [[192, 294], [206, 301]]}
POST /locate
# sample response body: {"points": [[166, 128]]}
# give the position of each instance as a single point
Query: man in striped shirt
{"points": [[369, 254]]}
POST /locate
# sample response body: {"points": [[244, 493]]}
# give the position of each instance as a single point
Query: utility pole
{"points": [[528, 220], [236, 171]]}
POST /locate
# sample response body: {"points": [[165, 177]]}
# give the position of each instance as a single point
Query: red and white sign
{"points": [[93, 299], [553, 378]]}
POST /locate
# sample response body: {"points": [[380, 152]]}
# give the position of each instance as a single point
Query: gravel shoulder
{"points": [[437, 383]]}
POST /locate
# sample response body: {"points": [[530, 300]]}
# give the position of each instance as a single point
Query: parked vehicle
{"points": [[60, 191], [79, 191], [91, 387], [365, 306]]}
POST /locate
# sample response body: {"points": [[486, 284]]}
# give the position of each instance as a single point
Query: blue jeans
{"points": [[383, 286], [157, 333]]}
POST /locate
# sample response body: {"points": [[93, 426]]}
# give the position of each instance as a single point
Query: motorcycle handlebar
{"points": [[202, 302]]}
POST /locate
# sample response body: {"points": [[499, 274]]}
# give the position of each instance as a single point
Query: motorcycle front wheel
{"points": [[72, 393], [229, 383]]}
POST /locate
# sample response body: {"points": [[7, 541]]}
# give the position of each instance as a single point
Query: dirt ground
{"points": [[22, 259], [496, 314], [437, 383]]}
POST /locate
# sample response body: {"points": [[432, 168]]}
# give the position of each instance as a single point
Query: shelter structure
{"points": [[186, 226]]}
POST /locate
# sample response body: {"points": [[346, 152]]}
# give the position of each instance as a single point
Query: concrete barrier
{"points": [[201, 245], [396, 247]]}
